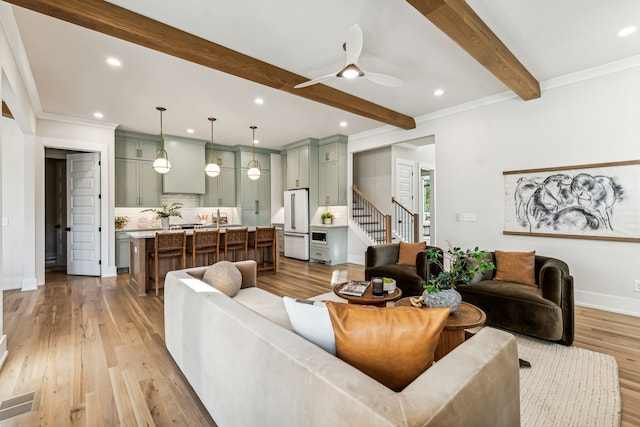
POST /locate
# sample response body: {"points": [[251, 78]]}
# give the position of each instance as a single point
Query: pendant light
{"points": [[213, 168], [161, 164], [254, 165]]}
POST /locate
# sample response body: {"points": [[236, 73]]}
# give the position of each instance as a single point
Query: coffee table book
{"points": [[355, 288]]}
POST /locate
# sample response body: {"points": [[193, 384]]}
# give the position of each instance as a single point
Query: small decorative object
{"points": [[165, 212], [327, 217], [377, 287], [463, 265], [389, 285], [121, 222]]}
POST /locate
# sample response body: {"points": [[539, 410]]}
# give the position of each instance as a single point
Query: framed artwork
{"points": [[596, 201]]}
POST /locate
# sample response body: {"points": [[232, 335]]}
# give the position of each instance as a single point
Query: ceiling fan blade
{"points": [[314, 81], [383, 79], [354, 44]]}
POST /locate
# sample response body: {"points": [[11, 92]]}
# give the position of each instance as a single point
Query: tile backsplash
{"points": [[190, 212]]}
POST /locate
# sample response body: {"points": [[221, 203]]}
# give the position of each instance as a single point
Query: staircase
{"points": [[377, 225], [371, 220]]}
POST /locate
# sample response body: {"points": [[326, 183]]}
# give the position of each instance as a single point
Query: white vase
{"points": [[446, 298], [328, 220], [165, 223]]}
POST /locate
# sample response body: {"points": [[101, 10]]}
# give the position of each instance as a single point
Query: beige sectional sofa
{"points": [[249, 368]]}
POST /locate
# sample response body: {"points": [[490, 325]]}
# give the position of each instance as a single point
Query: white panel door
{"points": [[83, 214], [404, 184]]}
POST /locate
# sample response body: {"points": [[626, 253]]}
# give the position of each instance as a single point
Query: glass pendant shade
{"points": [[253, 173], [254, 166], [161, 164], [212, 169]]}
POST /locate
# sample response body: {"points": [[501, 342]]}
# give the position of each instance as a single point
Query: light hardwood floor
{"points": [[94, 354]]}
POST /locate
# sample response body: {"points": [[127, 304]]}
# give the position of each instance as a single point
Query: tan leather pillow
{"points": [[393, 345], [409, 252], [518, 267]]}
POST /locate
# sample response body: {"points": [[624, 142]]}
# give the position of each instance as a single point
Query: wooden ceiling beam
{"points": [[6, 112], [107, 18], [457, 20]]}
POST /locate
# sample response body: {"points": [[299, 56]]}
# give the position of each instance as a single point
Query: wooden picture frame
{"points": [[595, 201]]}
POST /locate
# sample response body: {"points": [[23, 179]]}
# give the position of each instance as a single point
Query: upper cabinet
{"points": [[332, 171], [221, 190], [298, 167], [136, 183], [187, 157]]}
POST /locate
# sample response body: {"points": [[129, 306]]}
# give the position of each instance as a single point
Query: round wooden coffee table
{"points": [[367, 298], [466, 316]]}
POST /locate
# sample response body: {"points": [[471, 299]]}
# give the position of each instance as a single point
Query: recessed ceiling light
{"points": [[438, 92], [114, 62], [343, 124], [259, 101], [255, 141], [189, 130], [627, 31], [98, 115]]}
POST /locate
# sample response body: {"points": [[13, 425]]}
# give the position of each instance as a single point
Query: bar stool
{"points": [[236, 239], [167, 245], [265, 238], [207, 243]]}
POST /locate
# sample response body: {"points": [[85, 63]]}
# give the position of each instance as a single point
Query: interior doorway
{"points": [[55, 216], [426, 179], [59, 212]]}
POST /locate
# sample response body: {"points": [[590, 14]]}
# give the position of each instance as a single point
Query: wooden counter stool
{"points": [[207, 243], [265, 238], [167, 245], [236, 239]]}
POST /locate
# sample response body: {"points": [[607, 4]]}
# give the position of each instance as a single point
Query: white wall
{"points": [[593, 120], [13, 205]]}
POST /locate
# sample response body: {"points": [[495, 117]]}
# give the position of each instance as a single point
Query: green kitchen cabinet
{"points": [[221, 190], [332, 171]]}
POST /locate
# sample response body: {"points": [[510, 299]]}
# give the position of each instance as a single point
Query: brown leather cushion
{"points": [[409, 252], [518, 267], [393, 345]]}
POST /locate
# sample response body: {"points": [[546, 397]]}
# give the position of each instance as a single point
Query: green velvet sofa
{"points": [[545, 312], [381, 261]]}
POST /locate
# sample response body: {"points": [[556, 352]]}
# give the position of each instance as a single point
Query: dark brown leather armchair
{"points": [[381, 261]]}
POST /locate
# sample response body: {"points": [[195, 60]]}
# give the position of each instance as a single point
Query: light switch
{"points": [[468, 217]]}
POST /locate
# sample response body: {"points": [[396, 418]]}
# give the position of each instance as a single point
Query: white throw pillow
{"points": [[225, 277], [310, 320]]}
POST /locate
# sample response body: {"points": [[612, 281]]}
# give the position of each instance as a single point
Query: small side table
{"points": [[466, 316], [367, 298]]}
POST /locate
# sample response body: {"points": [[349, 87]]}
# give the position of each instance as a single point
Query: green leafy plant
{"points": [[326, 215], [463, 265], [121, 221], [167, 211]]}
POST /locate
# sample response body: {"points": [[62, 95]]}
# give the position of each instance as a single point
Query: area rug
{"points": [[567, 386]]}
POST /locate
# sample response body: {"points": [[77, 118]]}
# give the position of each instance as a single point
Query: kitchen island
{"points": [[142, 243]]}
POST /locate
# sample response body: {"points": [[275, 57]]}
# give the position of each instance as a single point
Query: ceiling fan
{"points": [[351, 70]]}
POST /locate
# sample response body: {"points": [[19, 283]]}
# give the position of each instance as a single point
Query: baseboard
{"points": [[3, 350], [614, 304], [29, 284], [110, 271], [11, 283]]}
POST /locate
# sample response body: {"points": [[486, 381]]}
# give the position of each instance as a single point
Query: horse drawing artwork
{"points": [[563, 202]]}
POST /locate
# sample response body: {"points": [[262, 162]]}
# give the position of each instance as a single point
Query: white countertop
{"points": [[328, 225], [152, 233]]}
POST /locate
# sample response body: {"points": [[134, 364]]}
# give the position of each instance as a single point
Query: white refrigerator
{"points": [[296, 224]]}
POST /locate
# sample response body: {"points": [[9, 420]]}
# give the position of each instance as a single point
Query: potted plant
{"points": [[327, 217], [165, 212], [121, 222], [463, 265]]}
